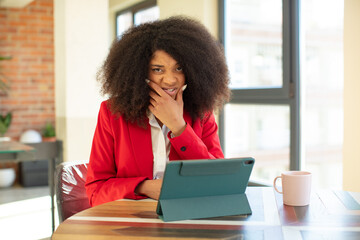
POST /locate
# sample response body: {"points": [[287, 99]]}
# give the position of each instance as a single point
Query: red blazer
{"points": [[121, 155]]}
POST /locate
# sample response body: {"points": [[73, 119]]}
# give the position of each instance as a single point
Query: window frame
{"points": [[289, 93], [134, 9]]}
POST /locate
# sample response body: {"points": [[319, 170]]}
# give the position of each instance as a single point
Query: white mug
{"points": [[296, 187]]}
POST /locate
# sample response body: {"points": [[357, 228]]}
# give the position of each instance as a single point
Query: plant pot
{"points": [[49, 139], [7, 177]]}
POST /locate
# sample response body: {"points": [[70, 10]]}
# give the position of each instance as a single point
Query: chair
{"points": [[70, 189]]}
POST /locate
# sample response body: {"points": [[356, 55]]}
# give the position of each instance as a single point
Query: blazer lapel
{"points": [[142, 148]]}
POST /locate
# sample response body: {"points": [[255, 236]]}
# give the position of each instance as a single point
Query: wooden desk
{"points": [[330, 215], [51, 151], [10, 150]]}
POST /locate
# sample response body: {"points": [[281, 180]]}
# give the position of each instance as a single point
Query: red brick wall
{"points": [[27, 34]]}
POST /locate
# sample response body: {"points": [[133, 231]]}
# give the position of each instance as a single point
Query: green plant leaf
{"points": [[5, 58], [5, 121], [49, 130], [3, 129], [4, 86], [8, 119]]}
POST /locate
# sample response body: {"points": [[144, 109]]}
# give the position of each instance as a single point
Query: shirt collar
{"points": [[152, 120]]}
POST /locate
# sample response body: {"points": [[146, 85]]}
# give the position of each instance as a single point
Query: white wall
{"points": [[206, 11], [81, 44], [351, 157]]}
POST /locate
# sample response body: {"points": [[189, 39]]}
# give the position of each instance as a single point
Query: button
{"points": [[183, 149]]}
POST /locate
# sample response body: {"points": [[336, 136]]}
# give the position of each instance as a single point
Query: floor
{"points": [[26, 207]]}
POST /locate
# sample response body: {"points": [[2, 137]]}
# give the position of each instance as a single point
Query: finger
{"points": [[156, 88], [151, 108], [154, 95], [179, 95], [153, 103]]}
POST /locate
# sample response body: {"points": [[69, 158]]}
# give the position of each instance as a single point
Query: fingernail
{"points": [[184, 87], [147, 80]]}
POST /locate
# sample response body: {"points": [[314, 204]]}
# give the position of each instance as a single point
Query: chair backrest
{"points": [[70, 188]]}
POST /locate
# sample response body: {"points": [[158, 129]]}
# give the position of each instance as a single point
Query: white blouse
{"points": [[160, 146]]}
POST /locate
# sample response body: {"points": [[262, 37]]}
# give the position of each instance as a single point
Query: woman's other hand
{"points": [[150, 188]]}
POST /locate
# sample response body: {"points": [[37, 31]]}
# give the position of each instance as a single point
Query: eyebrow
{"points": [[158, 65]]}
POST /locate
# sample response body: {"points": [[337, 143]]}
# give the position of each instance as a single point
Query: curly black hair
{"points": [[200, 55]]}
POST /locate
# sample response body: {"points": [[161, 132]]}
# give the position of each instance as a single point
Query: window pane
{"points": [[147, 15], [253, 36], [123, 22], [262, 132], [322, 90]]}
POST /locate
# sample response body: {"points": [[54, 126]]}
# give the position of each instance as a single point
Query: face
{"points": [[166, 72]]}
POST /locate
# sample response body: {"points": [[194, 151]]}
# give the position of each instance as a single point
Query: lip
{"points": [[171, 91]]}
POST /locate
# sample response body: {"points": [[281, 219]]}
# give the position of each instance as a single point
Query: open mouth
{"points": [[170, 91]]}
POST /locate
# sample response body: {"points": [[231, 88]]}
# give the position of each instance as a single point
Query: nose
{"points": [[170, 78]]}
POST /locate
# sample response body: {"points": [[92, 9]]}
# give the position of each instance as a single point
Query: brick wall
{"points": [[27, 35]]}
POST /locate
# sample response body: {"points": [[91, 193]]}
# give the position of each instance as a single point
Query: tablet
{"points": [[194, 189]]}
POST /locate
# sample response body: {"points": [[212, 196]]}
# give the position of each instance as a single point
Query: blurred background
{"points": [[286, 62]]}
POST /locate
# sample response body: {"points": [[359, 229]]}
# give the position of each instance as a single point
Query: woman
{"points": [[164, 80]]}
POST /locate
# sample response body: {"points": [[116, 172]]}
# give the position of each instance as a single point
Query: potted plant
{"points": [[48, 133], [7, 174], [5, 121], [4, 83]]}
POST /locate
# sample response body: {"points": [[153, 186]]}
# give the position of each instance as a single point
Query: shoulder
{"points": [[208, 116], [105, 105], [208, 119], [106, 111]]}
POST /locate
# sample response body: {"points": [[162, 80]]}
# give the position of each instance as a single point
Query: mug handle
{"points": [[275, 184]]}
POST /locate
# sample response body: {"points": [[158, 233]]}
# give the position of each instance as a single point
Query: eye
{"points": [[179, 69], [157, 70]]}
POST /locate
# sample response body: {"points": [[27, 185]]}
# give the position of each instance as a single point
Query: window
{"points": [[261, 131], [254, 43], [286, 68], [140, 13], [322, 79]]}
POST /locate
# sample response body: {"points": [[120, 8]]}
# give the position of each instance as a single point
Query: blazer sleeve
{"points": [[199, 141], [103, 183]]}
